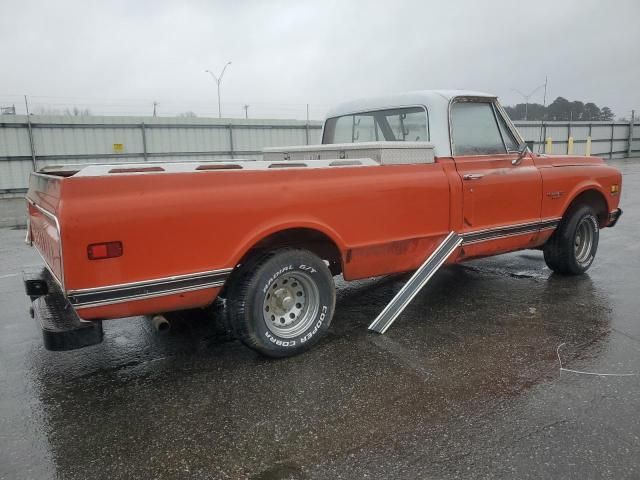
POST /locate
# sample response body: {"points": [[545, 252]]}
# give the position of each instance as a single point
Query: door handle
{"points": [[472, 176]]}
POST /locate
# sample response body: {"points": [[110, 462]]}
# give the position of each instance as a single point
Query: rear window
{"points": [[409, 124]]}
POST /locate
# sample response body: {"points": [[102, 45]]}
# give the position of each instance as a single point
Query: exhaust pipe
{"points": [[160, 323]]}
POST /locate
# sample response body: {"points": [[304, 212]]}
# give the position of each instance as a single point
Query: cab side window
{"points": [[475, 129], [507, 136]]}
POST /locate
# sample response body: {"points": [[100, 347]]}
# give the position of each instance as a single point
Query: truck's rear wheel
{"points": [[572, 247], [282, 303]]}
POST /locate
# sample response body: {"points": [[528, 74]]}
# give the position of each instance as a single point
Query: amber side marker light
{"points": [[98, 251], [615, 189]]}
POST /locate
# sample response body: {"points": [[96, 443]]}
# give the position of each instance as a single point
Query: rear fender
{"points": [[264, 231]]}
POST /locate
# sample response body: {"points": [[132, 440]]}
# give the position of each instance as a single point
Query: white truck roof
{"points": [[435, 101]]}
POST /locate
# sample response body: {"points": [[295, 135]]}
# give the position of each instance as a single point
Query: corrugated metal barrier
{"points": [[32, 142], [602, 139]]}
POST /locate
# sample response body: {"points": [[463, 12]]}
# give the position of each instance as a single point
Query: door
{"points": [[501, 200]]}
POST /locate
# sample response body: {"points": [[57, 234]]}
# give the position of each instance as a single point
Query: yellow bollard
{"points": [[570, 146], [587, 151], [547, 146]]}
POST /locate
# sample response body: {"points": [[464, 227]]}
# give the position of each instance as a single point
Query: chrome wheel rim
{"points": [[291, 304], [583, 241]]}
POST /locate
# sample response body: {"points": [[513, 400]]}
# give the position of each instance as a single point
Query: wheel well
{"points": [[595, 200], [313, 240]]}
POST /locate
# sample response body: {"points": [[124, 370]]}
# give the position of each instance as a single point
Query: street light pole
{"points": [[218, 80]]}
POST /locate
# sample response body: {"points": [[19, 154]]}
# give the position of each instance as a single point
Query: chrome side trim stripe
{"points": [[508, 231], [94, 297], [143, 283]]}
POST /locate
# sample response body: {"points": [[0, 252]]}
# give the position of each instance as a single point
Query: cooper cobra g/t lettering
{"points": [[391, 180]]}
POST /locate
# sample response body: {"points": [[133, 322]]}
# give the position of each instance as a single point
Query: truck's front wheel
{"points": [[282, 303], [572, 247]]}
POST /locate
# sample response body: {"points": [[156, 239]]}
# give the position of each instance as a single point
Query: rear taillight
{"points": [[98, 251]]}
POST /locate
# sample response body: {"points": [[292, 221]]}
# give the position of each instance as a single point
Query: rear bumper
{"points": [[614, 216], [61, 327]]}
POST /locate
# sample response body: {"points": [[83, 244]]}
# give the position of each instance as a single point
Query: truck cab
{"points": [[505, 191]]}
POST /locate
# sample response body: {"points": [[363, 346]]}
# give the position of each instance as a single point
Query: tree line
{"points": [[560, 109]]}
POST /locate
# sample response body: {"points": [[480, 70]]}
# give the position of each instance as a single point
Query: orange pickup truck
{"points": [[392, 179]]}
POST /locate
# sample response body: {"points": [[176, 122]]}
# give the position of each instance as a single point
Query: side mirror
{"points": [[522, 151]]}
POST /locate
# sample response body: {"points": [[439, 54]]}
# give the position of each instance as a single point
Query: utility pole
{"points": [[246, 111], [218, 80], [34, 163], [630, 144], [155, 104], [544, 116], [306, 127]]}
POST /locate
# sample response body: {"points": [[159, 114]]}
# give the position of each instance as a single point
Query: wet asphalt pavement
{"points": [[465, 384]]}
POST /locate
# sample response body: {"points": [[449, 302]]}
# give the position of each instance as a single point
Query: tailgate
{"points": [[43, 200]]}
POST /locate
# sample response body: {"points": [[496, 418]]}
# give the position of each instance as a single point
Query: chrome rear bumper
{"points": [[61, 327]]}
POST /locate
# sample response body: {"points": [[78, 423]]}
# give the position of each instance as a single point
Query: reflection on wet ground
{"points": [[465, 384]]}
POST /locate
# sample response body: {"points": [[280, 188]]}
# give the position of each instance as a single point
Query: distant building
{"points": [[8, 110]]}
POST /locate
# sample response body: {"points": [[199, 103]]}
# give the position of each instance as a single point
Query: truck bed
{"points": [[185, 226]]}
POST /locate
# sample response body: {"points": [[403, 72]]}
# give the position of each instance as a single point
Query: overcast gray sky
{"points": [[120, 56]]}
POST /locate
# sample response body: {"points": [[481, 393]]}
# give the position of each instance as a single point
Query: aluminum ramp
{"points": [[418, 280]]}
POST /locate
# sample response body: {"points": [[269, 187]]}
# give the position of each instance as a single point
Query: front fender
{"points": [[581, 188], [562, 185]]}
